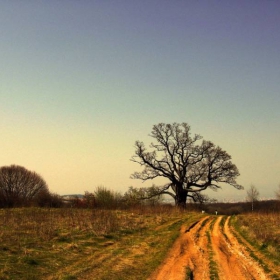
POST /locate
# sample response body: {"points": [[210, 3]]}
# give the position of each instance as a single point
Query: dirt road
{"points": [[210, 250]]}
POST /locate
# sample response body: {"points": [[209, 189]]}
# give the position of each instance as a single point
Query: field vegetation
{"points": [[105, 235], [262, 230], [75, 243], [68, 243]]}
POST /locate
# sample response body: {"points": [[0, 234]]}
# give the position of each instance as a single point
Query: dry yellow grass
{"points": [[260, 232], [264, 227], [86, 244]]}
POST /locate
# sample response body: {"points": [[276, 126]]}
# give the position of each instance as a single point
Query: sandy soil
{"points": [[209, 239]]}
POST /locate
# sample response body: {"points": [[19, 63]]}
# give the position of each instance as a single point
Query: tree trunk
{"points": [[181, 197]]}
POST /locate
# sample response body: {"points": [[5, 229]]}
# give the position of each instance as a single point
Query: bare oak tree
{"points": [[18, 186], [189, 163]]}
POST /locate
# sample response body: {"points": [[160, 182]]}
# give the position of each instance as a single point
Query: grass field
{"points": [[97, 244], [86, 244], [262, 230]]}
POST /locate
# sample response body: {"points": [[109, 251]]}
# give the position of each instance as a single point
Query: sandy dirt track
{"points": [[209, 250]]}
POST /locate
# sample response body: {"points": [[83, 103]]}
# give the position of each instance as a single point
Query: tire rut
{"points": [[234, 237], [231, 257], [188, 255], [209, 246]]}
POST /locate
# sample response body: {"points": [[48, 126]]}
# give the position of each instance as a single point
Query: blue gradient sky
{"points": [[81, 81]]}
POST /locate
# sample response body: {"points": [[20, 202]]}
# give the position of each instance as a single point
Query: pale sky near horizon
{"points": [[81, 81]]}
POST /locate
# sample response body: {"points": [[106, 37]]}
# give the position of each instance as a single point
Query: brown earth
{"points": [[210, 250]]}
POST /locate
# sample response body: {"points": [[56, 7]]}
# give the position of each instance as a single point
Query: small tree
{"points": [[252, 195], [105, 198], [89, 199], [277, 193], [188, 163], [19, 186]]}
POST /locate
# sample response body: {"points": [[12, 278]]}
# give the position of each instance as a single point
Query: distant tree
{"points": [[44, 198], [253, 196], [277, 193], [77, 201], [188, 163], [19, 186], [55, 201], [105, 198], [89, 199], [136, 196], [132, 197]]}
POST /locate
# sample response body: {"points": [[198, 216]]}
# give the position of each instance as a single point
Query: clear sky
{"points": [[81, 81]]}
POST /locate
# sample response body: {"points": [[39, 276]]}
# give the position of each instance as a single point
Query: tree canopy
{"points": [[19, 186], [189, 163]]}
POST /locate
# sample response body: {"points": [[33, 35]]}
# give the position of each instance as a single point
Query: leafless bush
{"points": [[107, 199], [19, 186]]}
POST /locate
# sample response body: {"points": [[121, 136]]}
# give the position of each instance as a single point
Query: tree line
{"points": [[20, 187], [189, 164]]}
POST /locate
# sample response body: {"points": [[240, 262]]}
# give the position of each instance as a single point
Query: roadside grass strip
{"points": [[256, 251]]}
